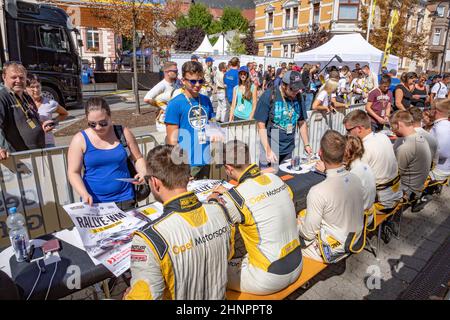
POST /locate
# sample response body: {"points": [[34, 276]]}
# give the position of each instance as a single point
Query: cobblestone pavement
{"points": [[387, 276]]}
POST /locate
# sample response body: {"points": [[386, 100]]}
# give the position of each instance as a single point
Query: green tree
{"points": [[198, 16], [237, 46], [232, 19], [214, 27]]}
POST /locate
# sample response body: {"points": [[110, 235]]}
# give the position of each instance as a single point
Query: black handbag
{"points": [[141, 191]]}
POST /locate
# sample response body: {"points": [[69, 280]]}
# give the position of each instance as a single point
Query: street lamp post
{"points": [[435, 15]]}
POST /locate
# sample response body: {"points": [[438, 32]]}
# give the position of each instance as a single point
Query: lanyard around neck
{"points": [[199, 106]]}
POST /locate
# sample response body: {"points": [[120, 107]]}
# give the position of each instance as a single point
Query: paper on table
{"points": [[106, 233]]}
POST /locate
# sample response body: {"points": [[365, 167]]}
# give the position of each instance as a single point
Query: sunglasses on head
{"points": [[102, 123], [194, 82]]}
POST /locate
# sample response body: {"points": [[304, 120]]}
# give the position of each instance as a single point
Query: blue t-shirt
{"points": [[279, 116], [394, 83], [191, 120], [231, 80]]}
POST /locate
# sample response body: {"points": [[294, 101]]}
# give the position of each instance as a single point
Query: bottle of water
{"points": [[18, 234]]}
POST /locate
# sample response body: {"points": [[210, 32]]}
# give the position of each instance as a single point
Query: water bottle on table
{"points": [[18, 234]]}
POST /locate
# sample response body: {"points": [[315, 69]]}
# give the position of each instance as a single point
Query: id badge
{"points": [[31, 124], [202, 137], [289, 128]]}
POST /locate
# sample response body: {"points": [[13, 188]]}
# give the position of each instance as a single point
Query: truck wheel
{"points": [[51, 94]]}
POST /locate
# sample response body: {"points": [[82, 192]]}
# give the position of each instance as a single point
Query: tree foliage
{"points": [[236, 45], [405, 43], [198, 17], [314, 38], [188, 39], [232, 19], [151, 18], [250, 44]]}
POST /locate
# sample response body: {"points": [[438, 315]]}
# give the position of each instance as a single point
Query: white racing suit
{"points": [[333, 222], [262, 207], [184, 254]]}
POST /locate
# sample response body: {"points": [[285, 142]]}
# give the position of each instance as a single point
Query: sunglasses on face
{"points": [[350, 129], [175, 71], [194, 82], [102, 123]]}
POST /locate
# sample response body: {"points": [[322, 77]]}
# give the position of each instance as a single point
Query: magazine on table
{"points": [[107, 232]]}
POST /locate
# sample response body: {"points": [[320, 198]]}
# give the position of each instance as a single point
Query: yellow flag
{"points": [[387, 50], [374, 5]]}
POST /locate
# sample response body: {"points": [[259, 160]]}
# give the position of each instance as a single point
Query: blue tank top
{"points": [[102, 168]]}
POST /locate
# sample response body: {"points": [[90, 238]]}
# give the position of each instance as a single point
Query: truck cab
{"points": [[40, 37]]}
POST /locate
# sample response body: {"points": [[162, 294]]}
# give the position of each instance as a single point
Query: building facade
{"points": [[418, 21], [439, 40], [278, 23]]}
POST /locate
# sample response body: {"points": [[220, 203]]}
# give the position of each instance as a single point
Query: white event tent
{"points": [[351, 48], [205, 47], [221, 46]]}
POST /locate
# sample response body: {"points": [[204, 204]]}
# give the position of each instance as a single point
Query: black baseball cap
{"points": [[294, 80]]}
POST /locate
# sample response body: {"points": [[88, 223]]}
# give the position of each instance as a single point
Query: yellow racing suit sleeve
{"points": [[309, 226], [232, 206], [147, 282]]}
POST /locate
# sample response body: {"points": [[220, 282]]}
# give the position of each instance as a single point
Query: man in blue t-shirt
{"points": [[186, 118], [231, 79], [281, 111]]}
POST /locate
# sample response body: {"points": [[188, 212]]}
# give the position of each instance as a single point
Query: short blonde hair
{"points": [[402, 116]]}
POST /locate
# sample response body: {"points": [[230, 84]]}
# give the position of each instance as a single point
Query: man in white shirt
{"points": [[333, 223], [220, 93], [371, 78], [441, 131], [440, 89], [379, 155], [160, 95]]}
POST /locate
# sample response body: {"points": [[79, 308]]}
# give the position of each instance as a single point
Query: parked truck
{"points": [[41, 37]]}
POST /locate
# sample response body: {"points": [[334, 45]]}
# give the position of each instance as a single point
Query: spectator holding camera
{"points": [[46, 108]]}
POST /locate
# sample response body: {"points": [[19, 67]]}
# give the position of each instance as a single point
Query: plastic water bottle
{"points": [[18, 234]]}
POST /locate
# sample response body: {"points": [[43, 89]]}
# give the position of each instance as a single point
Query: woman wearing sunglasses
{"points": [[244, 97], [99, 152]]}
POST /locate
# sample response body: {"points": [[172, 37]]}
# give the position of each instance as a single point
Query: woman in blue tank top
{"points": [[98, 150], [243, 105]]}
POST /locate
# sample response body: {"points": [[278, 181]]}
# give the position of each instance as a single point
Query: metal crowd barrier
{"points": [[36, 183], [319, 123]]}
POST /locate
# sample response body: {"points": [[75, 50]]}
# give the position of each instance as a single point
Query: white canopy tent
{"points": [[221, 46], [352, 49], [205, 47]]}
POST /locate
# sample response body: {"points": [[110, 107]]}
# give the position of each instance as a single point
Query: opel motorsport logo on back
{"points": [[197, 117]]}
